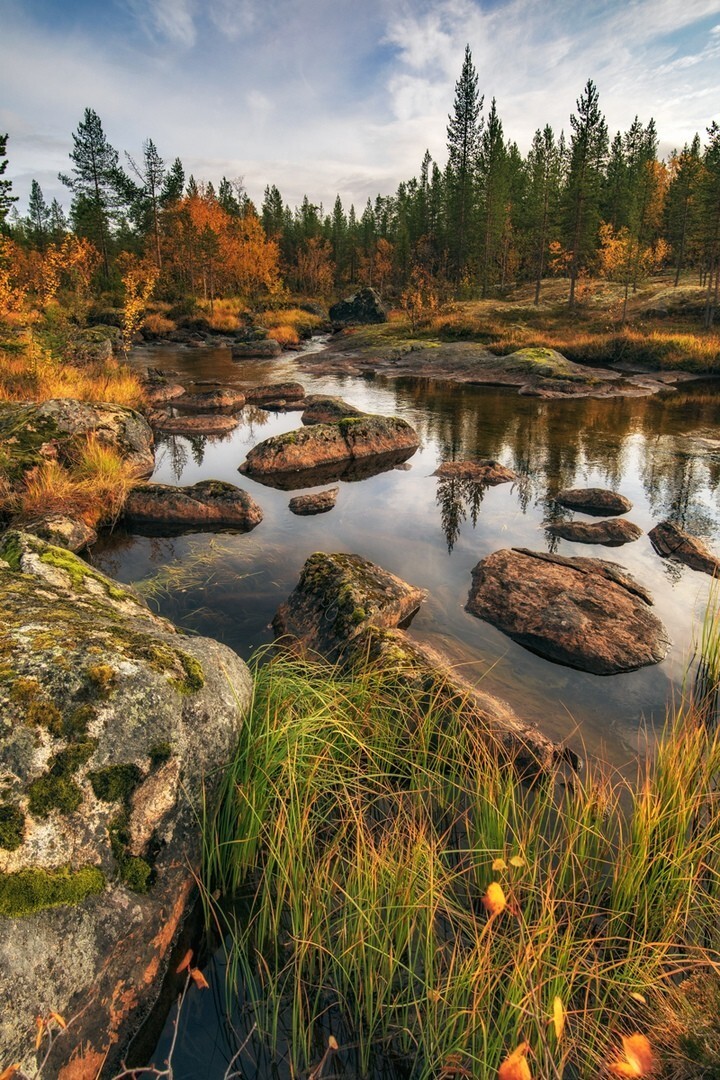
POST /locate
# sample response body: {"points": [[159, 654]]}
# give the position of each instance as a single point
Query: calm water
{"points": [[432, 533]]}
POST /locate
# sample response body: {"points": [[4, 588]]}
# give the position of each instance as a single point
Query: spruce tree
{"points": [[544, 173], [173, 184], [463, 135], [58, 222], [583, 191], [682, 201], [492, 196], [38, 217], [709, 220], [6, 199]]}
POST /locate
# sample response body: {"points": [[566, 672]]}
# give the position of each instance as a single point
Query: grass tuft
{"points": [[360, 826]]}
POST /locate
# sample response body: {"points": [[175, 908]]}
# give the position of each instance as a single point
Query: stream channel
{"points": [[658, 451]]}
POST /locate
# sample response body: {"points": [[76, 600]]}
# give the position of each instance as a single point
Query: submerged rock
{"points": [[256, 350], [672, 542], [596, 501], [322, 445], [327, 410], [612, 533], [488, 472], [209, 504], [587, 613], [223, 398], [364, 306], [113, 728], [32, 433], [274, 392], [315, 503], [217, 424], [339, 595]]}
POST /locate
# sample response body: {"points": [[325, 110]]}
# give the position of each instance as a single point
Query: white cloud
{"points": [[173, 20]]}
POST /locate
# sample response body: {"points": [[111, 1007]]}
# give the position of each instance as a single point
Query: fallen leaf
{"points": [[638, 997], [185, 962], [58, 1020], [558, 1017], [499, 864], [333, 1043], [40, 1024], [199, 979], [494, 900], [6, 1074], [639, 1057], [515, 1067], [517, 860]]}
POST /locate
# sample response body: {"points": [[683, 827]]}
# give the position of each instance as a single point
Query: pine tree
{"points": [[272, 213], [38, 217], [97, 182], [192, 190], [463, 134], [227, 198], [583, 191], [6, 199], [151, 175]]}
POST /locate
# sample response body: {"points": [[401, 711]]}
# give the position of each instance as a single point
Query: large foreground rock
{"points": [[62, 530], [364, 306], [611, 533], [31, 433], [339, 595], [586, 613], [209, 504], [596, 501], [355, 439], [672, 542], [113, 729]]}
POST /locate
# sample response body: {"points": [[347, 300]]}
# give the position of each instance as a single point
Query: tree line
{"points": [[572, 206]]}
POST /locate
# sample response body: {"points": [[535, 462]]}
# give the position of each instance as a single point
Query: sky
{"points": [[328, 97]]}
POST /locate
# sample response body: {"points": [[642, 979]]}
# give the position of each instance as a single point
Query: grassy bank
{"points": [[403, 891]]}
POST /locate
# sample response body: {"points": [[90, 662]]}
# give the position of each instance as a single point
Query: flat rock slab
{"points": [[220, 424], [612, 533], [321, 445], [597, 501], [337, 597], [349, 470], [223, 398], [210, 504], [587, 613], [158, 393], [487, 471], [327, 410], [273, 392], [671, 542], [315, 503], [256, 350]]}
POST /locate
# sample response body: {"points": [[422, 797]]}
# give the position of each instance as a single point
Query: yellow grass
{"points": [[93, 486], [156, 323], [32, 374], [286, 335]]}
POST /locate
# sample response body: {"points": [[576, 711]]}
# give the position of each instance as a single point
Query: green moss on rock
{"points": [[102, 679], [159, 754], [116, 782], [49, 793], [78, 571], [68, 761], [33, 890], [12, 827], [135, 873]]}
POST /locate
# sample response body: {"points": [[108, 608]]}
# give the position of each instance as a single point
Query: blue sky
{"points": [[331, 96]]}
